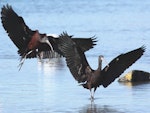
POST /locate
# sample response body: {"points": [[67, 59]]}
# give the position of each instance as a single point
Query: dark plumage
{"points": [[85, 75], [84, 43], [30, 42], [27, 40]]}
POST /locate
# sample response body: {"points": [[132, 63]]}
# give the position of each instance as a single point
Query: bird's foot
{"points": [[20, 65], [23, 59]]}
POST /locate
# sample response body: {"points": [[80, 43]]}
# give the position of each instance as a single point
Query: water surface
{"points": [[48, 87]]}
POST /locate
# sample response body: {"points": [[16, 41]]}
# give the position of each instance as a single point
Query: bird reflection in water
{"points": [[94, 108], [51, 66]]}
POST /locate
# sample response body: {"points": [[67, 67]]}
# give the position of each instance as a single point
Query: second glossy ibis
{"points": [[85, 75]]}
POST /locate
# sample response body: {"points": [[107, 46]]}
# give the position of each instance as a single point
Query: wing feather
{"points": [[75, 58], [15, 26], [119, 64], [85, 43]]}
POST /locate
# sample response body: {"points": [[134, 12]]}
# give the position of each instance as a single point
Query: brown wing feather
{"points": [[119, 64], [85, 43], [15, 26], [75, 58]]}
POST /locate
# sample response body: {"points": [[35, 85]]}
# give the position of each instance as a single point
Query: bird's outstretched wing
{"points": [[85, 43], [75, 58], [119, 64], [15, 26]]}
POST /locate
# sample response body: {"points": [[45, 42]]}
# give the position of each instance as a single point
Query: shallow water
{"points": [[119, 26]]}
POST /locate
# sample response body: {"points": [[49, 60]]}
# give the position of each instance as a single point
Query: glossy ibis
{"points": [[31, 43], [85, 75], [27, 40]]}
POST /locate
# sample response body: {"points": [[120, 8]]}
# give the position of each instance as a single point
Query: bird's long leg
{"points": [[92, 95], [23, 59], [21, 63], [94, 91]]}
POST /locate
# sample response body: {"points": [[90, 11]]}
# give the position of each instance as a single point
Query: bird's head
{"points": [[101, 58], [44, 39]]}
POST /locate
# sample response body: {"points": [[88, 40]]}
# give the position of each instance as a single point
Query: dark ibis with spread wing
{"points": [[85, 75], [30, 42]]}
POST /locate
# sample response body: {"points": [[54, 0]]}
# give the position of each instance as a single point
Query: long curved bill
{"points": [[50, 45]]}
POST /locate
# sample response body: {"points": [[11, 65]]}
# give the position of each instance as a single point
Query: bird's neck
{"points": [[34, 42], [99, 64]]}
